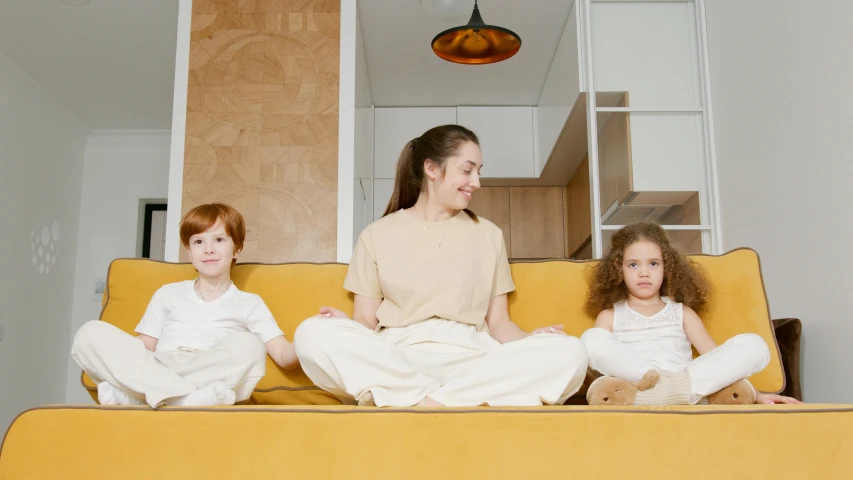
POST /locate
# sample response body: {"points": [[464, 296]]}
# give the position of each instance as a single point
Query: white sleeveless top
{"points": [[659, 339]]}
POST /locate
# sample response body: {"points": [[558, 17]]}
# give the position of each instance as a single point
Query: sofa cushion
{"points": [[752, 442], [547, 292]]}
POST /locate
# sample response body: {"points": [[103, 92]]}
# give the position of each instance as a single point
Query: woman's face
{"points": [[461, 178]]}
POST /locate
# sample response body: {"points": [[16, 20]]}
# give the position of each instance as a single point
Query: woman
{"points": [[430, 325]]}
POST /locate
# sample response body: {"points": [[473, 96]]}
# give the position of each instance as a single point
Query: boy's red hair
{"points": [[202, 217]]}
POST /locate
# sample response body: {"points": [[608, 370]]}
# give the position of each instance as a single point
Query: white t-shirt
{"points": [[177, 317]]}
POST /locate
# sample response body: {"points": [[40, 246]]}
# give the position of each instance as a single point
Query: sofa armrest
{"points": [[788, 331]]}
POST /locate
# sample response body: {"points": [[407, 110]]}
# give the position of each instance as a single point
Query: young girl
{"points": [[645, 295], [201, 342]]}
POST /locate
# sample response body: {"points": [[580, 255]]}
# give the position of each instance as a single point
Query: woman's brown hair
{"points": [[437, 145], [683, 280]]}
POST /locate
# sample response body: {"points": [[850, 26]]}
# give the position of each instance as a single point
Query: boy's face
{"points": [[211, 251]]}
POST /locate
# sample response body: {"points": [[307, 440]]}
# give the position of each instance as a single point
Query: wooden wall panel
{"points": [[614, 158], [532, 218], [566, 252], [536, 216], [578, 210], [262, 121], [686, 241], [492, 203]]}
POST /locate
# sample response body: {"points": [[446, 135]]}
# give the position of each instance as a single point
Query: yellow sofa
{"points": [[302, 432], [342, 442], [547, 292]]}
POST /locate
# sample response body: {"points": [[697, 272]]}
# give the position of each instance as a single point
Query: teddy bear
{"points": [[738, 393], [617, 392]]}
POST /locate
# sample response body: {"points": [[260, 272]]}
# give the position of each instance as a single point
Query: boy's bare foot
{"points": [[428, 402], [210, 396], [109, 394]]}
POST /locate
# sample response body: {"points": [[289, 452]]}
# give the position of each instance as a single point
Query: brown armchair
{"points": [[788, 331]]}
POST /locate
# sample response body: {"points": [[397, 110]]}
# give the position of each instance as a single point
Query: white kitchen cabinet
{"points": [[506, 139], [394, 127], [382, 190], [648, 49]]}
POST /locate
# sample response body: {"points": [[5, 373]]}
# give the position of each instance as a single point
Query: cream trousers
{"points": [[740, 357], [450, 362], [108, 354]]}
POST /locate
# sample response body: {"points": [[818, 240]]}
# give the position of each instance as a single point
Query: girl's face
{"points": [[642, 269], [461, 178]]}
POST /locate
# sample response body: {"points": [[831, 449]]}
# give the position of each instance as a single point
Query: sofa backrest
{"points": [[547, 292]]}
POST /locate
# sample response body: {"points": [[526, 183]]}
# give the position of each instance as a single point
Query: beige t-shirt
{"points": [[398, 258]]}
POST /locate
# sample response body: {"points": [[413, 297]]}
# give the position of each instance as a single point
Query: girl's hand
{"points": [[552, 329], [771, 399], [330, 312]]}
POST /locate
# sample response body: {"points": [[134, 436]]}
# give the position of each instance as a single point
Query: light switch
{"points": [[100, 285]]}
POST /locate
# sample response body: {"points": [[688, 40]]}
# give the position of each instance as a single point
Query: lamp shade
{"points": [[476, 43]]}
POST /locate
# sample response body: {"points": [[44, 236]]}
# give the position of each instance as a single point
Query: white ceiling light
{"points": [[448, 9], [76, 3]]}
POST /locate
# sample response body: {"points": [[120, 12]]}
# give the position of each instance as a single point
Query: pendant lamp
{"points": [[476, 43]]}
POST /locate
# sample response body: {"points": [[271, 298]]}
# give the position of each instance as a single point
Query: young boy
{"points": [[201, 342]]}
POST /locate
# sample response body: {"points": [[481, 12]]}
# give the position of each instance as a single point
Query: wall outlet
{"points": [[100, 286]]}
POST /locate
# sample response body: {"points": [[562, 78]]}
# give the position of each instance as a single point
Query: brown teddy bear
{"points": [[617, 392], [738, 393]]}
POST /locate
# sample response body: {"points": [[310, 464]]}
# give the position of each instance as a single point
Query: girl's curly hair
{"points": [[683, 280]]}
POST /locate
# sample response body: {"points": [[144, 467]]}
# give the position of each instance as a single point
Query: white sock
{"points": [[217, 393], [673, 388], [109, 394]]}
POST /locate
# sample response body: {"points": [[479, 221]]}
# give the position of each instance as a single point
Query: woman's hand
{"points": [[552, 329], [502, 329], [331, 312], [771, 399]]}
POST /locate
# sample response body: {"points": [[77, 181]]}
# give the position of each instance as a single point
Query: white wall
{"points": [[650, 50], [781, 81], [559, 93], [346, 130], [41, 169], [179, 130], [363, 185], [120, 169]]}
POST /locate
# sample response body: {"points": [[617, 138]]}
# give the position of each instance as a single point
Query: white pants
{"points": [[450, 362], [738, 358], [107, 354]]}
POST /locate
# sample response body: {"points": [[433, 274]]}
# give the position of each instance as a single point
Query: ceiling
{"points": [[111, 62], [404, 71]]}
